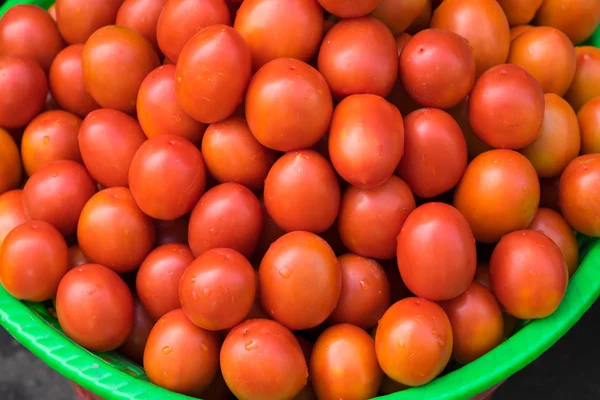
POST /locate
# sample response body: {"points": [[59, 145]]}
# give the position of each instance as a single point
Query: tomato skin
{"points": [[29, 31], [12, 212], [589, 125], [141, 16], [361, 119], [506, 184], [52, 11], [10, 163], [266, 346], [437, 68], [359, 56], [57, 193], [288, 105], [77, 20], [477, 323], [343, 364], [33, 260], [399, 15], [218, 55], [586, 82], [517, 30], [134, 345], [300, 280], [296, 183], [520, 12], [112, 230], [579, 194], [371, 219], [528, 274], [76, 257], [413, 341], [578, 21], [108, 140], [228, 215], [349, 8], [174, 231]]}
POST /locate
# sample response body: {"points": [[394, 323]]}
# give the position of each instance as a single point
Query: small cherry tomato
{"points": [[586, 82], [399, 15], [349, 8], [134, 345], [78, 19], [520, 12], [589, 125], [12, 212], [76, 257], [141, 16], [579, 20], [174, 231], [10, 163]]}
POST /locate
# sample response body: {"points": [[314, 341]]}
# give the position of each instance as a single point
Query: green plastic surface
{"points": [[112, 376]]}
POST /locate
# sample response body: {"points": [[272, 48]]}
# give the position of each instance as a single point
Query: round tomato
{"points": [[78, 19], [401, 41], [589, 125], [174, 231], [349, 8], [520, 12], [460, 113], [76, 257], [12, 212], [141, 16], [399, 15], [586, 82], [517, 30], [10, 163], [134, 345], [579, 20]]}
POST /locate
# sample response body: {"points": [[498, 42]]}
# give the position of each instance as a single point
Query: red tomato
{"points": [[499, 193], [134, 345], [51, 136], [76, 257], [115, 61], [33, 260], [370, 219], [78, 19], [212, 73], [366, 140], [300, 280], [343, 364], [436, 252], [112, 230], [528, 274], [579, 194], [302, 192], [141, 16], [265, 346], [579, 20], [12, 213], [10, 163], [586, 82], [288, 105], [589, 125], [519, 12], [349, 8], [365, 292], [413, 341], [398, 15], [29, 31], [359, 56], [174, 231], [477, 323], [108, 140], [271, 32], [401, 41], [475, 146], [57, 193], [437, 68], [517, 30], [423, 19], [157, 280]]}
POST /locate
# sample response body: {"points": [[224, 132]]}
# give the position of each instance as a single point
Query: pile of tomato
{"points": [[278, 199]]}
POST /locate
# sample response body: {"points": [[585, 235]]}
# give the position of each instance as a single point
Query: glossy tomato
{"points": [[349, 8], [141, 16], [174, 231], [586, 82], [78, 19], [520, 12], [76, 257], [589, 125], [399, 15], [12, 213], [134, 345], [579, 20], [10, 163]]}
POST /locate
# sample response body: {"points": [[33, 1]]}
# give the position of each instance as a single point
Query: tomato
{"points": [[270, 233], [366, 140], [437, 68], [288, 105], [589, 125], [559, 141], [295, 185], [115, 61], [499, 193], [423, 19], [26, 82], [579, 194], [401, 41], [51, 136], [212, 73], [528, 274], [460, 113], [112, 230], [549, 193], [134, 345], [517, 30], [76, 257], [78, 19], [586, 82], [108, 140], [57, 193], [174, 231], [33, 260], [300, 280], [266, 346], [398, 15], [370, 219], [343, 364], [359, 56], [349, 8], [29, 31], [482, 23], [12, 212], [435, 155], [579, 20], [181, 19], [365, 292], [10, 163], [66, 82], [141, 16], [520, 12], [181, 356], [228, 215], [413, 342], [536, 49]]}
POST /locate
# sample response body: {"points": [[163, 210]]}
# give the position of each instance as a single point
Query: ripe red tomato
{"points": [[519, 12], [78, 19], [528, 274], [359, 56], [76, 257], [302, 192], [12, 213], [265, 346], [300, 280], [579, 194], [33, 260], [112, 230], [370, 219], [586, 82], [141, 16], [499, 193], [349, 8], [134, 345], [437, 68], [29, 31], [366, 140], [413, 341], [10, 163], [174, 231], [401, 41], [589, 125], [399, 15], [343, 364], [477, 323], [108, 140], [579, 20]]}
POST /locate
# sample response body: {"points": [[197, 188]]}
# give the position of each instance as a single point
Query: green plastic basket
{"points": [[112, 376]]}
